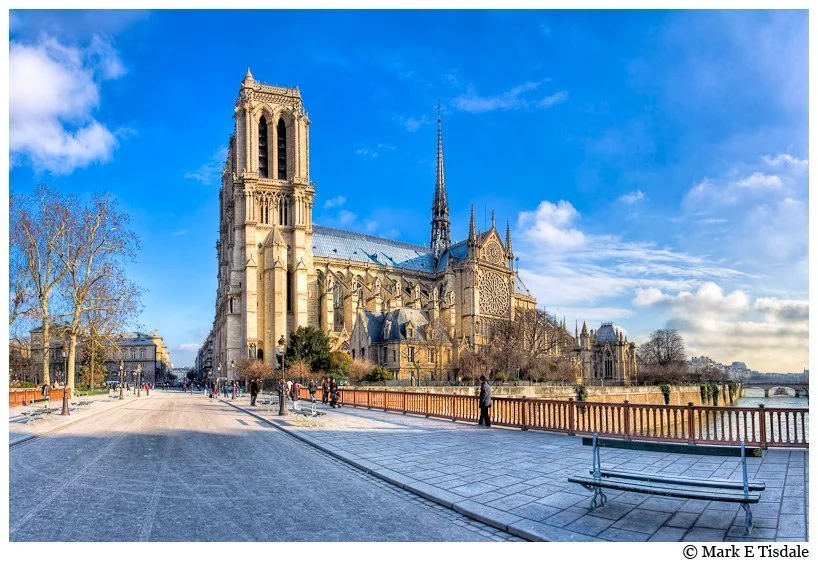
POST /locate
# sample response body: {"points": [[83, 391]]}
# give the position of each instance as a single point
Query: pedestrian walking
{"points": [[296, 396], [312, 388], [485, 403], [147, 389], [325, 390], [333, 393], [253, 392]]}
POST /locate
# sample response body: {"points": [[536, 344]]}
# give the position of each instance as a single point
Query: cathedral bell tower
{"points": [[267, 201]]}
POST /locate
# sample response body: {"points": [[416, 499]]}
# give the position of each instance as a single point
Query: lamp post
{"points": [[233, 371], [218, 378], [137, 381], [121, 378], [282, 403], [65, 411]]}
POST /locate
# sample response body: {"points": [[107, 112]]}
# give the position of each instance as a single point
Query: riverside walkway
{"points": [[516, 481]]}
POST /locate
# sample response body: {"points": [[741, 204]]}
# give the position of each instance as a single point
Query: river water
{"points": [[754, 397]]}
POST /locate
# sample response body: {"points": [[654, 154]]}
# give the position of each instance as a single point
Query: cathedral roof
{"points": [[395, 321], [607, 332], [341, 244]]}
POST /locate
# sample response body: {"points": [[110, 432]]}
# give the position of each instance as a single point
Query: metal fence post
{"points": [[427, 403], [354, 397], [691, 436], [404, 401], [627, 420], [571, 416], [762, 426], [368, 399], [524, 409]]}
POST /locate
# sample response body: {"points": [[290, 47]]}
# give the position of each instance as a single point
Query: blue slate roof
{"points": [[397, 320], [341, 244]]}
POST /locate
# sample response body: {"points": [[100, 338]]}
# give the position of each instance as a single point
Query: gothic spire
{"points": [[509, 252], [440, 207], [472, 232]]}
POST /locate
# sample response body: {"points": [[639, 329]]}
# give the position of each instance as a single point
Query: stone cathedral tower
{"points": [[265, 236]]}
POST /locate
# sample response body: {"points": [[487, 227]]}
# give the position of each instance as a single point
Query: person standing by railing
{"points": [[485, 403], [253, 392]]}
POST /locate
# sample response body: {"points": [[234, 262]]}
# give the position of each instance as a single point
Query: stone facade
{"points": [[605, 356], [277, 271]]}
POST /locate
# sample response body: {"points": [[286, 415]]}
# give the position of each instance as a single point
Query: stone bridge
{"points": [[792, 388]]}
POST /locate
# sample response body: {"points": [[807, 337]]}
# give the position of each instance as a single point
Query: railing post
{"points": [[354, 397], [453, 400], [524, 409], [427, 403], [627, 420], [386, 401], [571, 416], [404, 401], [368, 399], [691, 436], [762, 426]]}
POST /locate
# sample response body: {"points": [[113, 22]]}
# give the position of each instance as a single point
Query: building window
{"points": [[410, 353], [608, 365], [262, 148], [282, 150], [283, 211], [363, 353], [289, 291], [338, 306], [393, 355], [410, 332], [142, 353], [431, 356], [383, 355], [353, 353]]}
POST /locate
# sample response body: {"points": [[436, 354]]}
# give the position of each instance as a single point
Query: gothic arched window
{"points": [[338, 306], [282, 149], [608, 364], [283, 212], [262, 148]]}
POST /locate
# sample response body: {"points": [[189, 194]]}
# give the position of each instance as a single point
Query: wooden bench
{"points": [[743, 493]]}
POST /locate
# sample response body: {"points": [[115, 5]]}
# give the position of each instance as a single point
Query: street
{"points": [[175, 467]]}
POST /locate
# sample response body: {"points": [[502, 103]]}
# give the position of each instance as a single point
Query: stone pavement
{"points": [[516, 481], [20, 431]]}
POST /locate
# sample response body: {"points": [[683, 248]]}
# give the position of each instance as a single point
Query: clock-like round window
{"points": [[494, 253]]}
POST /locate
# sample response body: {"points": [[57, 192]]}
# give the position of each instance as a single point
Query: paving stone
{"points": [[539, 531], [473, 489], [615, 534], [589, 525], [562, 499], [566, 516], [666, 533], [502, 480], [644, 521], [793, 505], [514, 489], [511, 501], [485, 514], [613, 510], [662, 503], [792, 525], [682, 519], [704, 534], [716, 519], [535, 511]]}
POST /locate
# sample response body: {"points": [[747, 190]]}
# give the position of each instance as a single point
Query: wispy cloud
{"points": [[553, 100], [210, 172], [632, 198], [336, 202], [180, 233], [472, 102], [413, 124], [53, 93], [364, 152]]}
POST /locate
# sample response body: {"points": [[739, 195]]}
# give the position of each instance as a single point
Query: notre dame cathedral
{"points": [[409, 308]]}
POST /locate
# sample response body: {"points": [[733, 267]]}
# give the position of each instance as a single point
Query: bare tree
{"points": [[473, 364], [663, 357], [34, 230], [92, 249]]}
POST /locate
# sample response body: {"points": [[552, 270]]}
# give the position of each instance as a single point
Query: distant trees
{"points": [[662, 359]]}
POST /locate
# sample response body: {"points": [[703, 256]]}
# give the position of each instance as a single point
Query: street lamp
{"points": [[282, 405], [65, 411], [233, 370], [121, 378], [218, 378], [137, 380]]}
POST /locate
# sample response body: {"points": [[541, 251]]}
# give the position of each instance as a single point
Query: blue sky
{"points": [[653, 164]]}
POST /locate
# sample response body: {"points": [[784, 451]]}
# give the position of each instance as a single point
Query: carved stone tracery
{"points": [[495, 298]]}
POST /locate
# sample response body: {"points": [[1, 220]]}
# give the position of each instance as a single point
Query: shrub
{"points": [[582, 394], [378, 375], [732, 390], [665, 392], [714, 393], [704, 393]]}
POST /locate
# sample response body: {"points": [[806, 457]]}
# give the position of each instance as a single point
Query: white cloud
{"points": [[414, 124], [760, 181], [553, 100], [189, 347], [364, 152], [339, 200], [632, 197], [783, 310], [345, 217], [53, 92], [709, 300], [180, 233], [785, 159], [470, 101], [551, 224], [210, 172]]}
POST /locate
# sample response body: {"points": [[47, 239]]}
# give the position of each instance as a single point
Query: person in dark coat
{"points": [[312, 387], [485, 403], [333, 393], [325, 390], [253, 392]]}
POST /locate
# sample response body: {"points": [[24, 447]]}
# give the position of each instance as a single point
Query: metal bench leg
{"points": [[748, 519]]}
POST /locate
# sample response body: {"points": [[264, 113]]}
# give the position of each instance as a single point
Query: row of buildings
{"points": [[738, 371], [410, 308], [129, 357]]}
